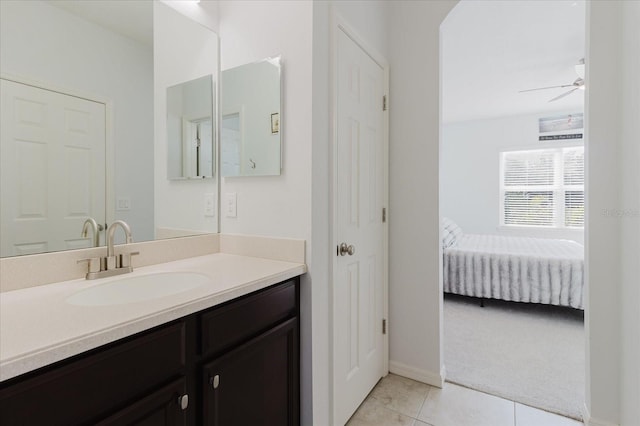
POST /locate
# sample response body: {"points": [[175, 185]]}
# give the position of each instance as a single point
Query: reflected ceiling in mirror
{"points": [[250, 134]]}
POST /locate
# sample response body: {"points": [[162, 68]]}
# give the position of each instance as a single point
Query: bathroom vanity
{"points": [[205, 330], [222, 354]]}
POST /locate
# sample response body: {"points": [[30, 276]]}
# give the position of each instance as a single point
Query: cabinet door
{"points": [[164, 407], [83, 390], [256, 383]]}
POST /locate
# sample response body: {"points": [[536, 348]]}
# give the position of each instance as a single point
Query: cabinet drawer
{"points": [[88, 388], [229, 325]]}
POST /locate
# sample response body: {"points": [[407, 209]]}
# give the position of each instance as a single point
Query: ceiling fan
{"points": [[577, 84]]}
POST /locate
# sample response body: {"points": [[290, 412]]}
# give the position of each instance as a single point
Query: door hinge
{"points": [[384, 214], [384, 326], [384, 102]]}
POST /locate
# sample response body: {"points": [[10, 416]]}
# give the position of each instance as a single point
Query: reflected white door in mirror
{"points": [[52, 169]]}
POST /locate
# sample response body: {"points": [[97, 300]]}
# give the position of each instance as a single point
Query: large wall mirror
{"points": [[251, 136], [83, 86]]}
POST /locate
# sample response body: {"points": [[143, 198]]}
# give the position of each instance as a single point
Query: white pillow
{"points": [[450, 232]]}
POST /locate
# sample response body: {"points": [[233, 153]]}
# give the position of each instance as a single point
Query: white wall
{"points": [[251, 31], [613, 213], [602, 250], [415, 325], [470, 172], [629, 157], [71, 53], [320, 387], [179, 204]]}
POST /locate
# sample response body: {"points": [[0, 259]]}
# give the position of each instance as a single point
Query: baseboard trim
{"points": [[424, 376], [590, 421]]}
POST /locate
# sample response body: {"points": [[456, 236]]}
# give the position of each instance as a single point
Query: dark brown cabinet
{"points": [[91, 386], [166, 406], [165, 376], [252, 384]]}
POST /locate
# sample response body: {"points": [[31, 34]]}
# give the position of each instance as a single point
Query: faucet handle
{"points": [[125, 259], [94, 264]]}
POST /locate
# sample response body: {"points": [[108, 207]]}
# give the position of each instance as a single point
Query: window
{"points": [[543, 187]]}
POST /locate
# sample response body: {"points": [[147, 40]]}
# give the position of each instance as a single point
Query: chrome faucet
{"points": [[112, 261], [91, 222], [111, 264]]}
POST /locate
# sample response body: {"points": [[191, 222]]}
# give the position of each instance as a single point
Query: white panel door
{"points": [[358, 194], [52, 169]]}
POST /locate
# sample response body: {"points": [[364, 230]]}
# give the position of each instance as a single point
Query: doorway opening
{"points": [[512, 200]]}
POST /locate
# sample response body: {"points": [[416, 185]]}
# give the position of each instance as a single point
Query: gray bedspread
{"points": [[520, 269]]}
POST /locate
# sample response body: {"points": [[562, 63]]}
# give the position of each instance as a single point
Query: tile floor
{"points": [[397, 401]]}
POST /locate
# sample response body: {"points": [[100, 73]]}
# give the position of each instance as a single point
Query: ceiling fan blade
{"points": [[545, 88], [563, 95]]}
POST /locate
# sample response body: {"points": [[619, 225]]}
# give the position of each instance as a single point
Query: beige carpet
{"points": [[532, 354]]}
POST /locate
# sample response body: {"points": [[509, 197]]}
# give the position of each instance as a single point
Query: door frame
{"points": [[338, 23], [109, 153]]}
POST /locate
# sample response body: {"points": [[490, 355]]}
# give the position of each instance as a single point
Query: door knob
{"points": [[345, 249]]}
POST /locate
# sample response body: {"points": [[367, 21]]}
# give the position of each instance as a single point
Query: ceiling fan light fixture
{"points": [[577, 84]]}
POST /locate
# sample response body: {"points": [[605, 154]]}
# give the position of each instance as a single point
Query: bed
{"points": [[520, 269]]}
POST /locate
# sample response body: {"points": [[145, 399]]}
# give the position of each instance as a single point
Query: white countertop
{"points": [[39, 327]]}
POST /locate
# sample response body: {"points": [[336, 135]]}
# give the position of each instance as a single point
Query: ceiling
{"points": [[493, 49], [131, 18]]}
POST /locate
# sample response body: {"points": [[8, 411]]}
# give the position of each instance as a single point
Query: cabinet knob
{"points": [[214, 381], [183, 401]]}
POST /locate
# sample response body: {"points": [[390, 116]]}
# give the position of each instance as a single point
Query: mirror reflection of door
{"points": [[190, 132], [197, 151], [52, 169], [231, 143]]}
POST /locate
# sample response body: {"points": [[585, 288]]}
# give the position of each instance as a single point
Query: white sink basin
{"points": [[139, 288]]}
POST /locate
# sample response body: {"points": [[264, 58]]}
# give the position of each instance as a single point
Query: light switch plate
{"points": [[231, 206], [209, 205], [123, 204]]}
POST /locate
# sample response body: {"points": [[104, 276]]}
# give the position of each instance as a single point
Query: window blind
{"points": [[529, 168], [573, 179], [573, 161], [543, 187]]}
